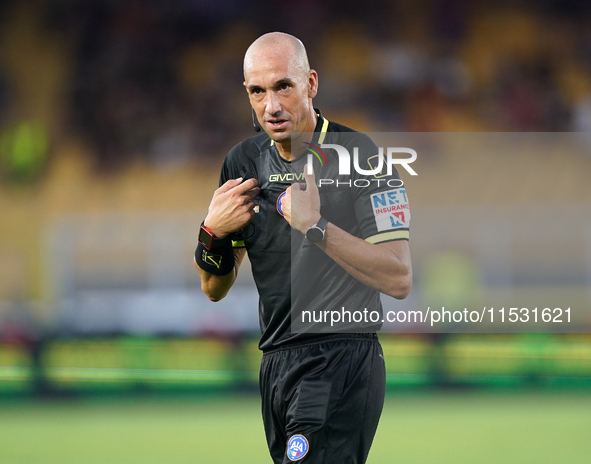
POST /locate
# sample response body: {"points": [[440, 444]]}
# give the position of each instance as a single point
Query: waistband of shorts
{"points": [[362, 337]]}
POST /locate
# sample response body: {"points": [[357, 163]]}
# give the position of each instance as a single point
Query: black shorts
{"points": [[322, 401]]}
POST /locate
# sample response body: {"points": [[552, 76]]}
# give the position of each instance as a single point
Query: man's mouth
{"points": [[277, 123]]}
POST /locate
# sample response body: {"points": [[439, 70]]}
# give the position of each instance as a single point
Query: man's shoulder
{"points": [[343, 135], [248, 149], [336, 127]]}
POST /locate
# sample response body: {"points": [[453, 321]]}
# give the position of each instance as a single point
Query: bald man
{"points": [[322, 391]]}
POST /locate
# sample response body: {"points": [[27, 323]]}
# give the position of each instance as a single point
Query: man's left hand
{"points": [[301, 205]]}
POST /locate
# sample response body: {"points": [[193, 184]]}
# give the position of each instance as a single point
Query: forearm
{"points": [[231, 209], [385, 267], [377, 266], [217, 287]]}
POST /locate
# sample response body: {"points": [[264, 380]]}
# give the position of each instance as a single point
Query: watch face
{"points": [[315, 234], [205, 238]]}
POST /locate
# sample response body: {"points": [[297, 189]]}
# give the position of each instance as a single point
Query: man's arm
{"points": [[231, 209], [217, 287], [384, 267]]}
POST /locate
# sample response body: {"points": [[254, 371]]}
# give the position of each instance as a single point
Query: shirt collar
{"points": [[320, 130]]}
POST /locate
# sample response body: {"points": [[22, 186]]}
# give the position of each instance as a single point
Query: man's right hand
{"points": [[232, 206]]}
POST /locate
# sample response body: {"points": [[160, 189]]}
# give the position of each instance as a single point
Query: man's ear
{"points": [[312, 83]]}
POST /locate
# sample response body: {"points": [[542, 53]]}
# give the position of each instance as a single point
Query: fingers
{"points": [[310, 178], [249, 211], [252, 193], [238, 186], [230, 184], [246, 186]]}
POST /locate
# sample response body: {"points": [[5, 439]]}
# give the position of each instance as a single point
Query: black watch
{"points": [[208, 239], [317, 232]]}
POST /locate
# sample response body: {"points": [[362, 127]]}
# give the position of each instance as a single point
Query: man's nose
{"points": [[272, 106]]}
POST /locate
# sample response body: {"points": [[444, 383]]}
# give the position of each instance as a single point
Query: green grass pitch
{"points": [[454, 428]]}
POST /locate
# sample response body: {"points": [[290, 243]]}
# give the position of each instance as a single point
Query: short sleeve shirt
{"points": [[293, 275]]}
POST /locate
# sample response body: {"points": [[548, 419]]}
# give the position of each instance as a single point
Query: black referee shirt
{"points": [[291, 274]]}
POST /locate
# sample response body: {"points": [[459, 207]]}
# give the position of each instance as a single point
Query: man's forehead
{"points": [[273, 67]]}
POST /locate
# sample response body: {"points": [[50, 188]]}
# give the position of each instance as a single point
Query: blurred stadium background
{"points": [[114, 120]]}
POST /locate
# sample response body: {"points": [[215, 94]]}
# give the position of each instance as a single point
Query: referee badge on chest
{"points": [[280, 203], [297, 447]]}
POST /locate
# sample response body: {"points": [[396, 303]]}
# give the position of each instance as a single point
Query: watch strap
{"points": [[322, 223]]}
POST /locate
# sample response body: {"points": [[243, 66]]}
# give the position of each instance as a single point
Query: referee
{"points": [[322, 393]]}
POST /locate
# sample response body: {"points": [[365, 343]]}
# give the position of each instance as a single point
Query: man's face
{"points": [[281, 95]]}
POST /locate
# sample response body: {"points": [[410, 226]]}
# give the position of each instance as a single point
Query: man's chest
{"points": [[269, 231]]}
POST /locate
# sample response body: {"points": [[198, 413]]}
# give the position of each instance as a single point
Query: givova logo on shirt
{"points": [[391, 209], [297, 447]]}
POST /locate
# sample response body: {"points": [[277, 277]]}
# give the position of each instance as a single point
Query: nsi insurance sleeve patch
{"points": [[390, 209]]}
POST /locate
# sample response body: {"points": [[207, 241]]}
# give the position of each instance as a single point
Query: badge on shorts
{"points": [[297, 447], [280, 204]]}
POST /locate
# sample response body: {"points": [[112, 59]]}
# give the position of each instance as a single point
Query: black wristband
{"points": [[219, 261]]}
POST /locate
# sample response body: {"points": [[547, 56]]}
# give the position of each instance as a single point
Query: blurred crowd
{"points": [[162, 81]]}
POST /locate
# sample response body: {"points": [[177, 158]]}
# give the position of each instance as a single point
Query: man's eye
{"points": [[284, 86], [256, 91]]}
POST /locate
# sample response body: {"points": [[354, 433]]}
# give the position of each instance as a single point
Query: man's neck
{"points": [[285, 148]]}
